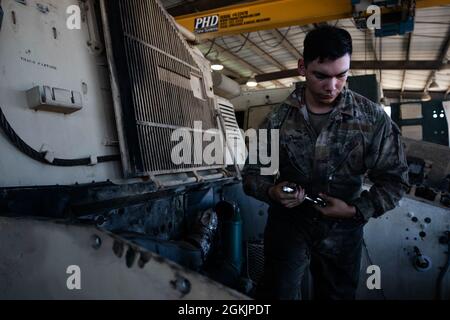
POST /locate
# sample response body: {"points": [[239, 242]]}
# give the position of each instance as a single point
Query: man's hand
{"points": [[336, 208], [288, 200]]}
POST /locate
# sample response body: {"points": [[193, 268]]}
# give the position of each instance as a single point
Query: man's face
{"points": [[326, 80]]}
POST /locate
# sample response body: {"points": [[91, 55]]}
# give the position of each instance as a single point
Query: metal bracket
{"points": [[156, 181], [94, 160], [49, 155], [197, 176], [94, 43], [59, 100], [225, 172]]}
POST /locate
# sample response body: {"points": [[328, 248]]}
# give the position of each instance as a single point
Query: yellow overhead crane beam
{"points": [[271, 14]]}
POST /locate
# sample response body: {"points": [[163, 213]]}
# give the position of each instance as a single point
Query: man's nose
{"points": [[330, 85]]}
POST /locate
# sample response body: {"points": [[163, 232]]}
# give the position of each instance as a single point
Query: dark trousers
{"points": [[297, 239]]}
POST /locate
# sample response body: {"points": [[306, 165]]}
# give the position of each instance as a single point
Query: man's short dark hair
{"points": [[327, 43]]}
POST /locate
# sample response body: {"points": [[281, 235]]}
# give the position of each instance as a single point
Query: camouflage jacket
{"points": [[359, 139]]}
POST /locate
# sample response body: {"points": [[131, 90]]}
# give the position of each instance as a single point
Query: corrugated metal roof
{"points": [[432, 29]]}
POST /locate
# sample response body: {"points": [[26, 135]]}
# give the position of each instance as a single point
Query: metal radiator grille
{"points": [[234, 138], [155, 137], [231, 126], [255, 261], [162, 88]]}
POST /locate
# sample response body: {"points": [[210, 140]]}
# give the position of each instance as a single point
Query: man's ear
{"points": [[301, 67]]}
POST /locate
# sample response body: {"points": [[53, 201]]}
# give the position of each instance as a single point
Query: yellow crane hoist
{"points": [[271, 14]]}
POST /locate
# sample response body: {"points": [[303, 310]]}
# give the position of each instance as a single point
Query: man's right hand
{"points": [[288, 200]]}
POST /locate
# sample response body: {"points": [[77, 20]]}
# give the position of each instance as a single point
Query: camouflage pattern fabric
{"points": [[359, 139]]}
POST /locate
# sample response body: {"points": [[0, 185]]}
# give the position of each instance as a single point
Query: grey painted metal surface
{"points": [[390, 244], [225, 86], [34, 51], [33, 54], [116, 97], [36, 255]]}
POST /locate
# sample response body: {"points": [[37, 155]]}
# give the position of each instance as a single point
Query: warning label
{"points": [[215, 22]]}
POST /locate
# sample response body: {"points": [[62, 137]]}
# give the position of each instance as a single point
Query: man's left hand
{"points": [[336, 208]]}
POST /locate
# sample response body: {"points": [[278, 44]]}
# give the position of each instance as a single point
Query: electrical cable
{"points": [[213, 42], [281, 41], [240, 48], [40, 156]]}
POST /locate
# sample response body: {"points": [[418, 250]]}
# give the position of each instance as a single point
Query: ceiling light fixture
{"points": [[434, 84], [252, 83], [425, 97], [216, 65]]}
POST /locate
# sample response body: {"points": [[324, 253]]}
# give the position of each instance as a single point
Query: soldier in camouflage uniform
{"points": [[330, 138]]}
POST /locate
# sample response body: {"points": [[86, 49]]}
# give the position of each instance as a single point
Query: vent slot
{"points": [[160, 85]]}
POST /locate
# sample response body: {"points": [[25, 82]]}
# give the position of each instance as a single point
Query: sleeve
{"points": [[388, 171], [255, 183]]}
